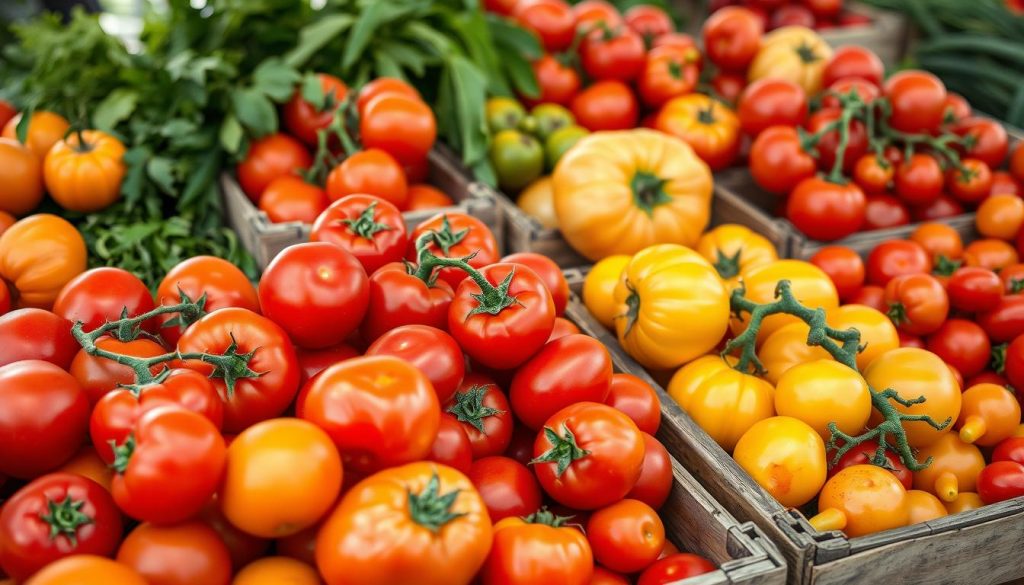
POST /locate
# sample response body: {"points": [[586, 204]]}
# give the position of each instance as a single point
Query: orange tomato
{"points": [[182, 554], [277, 571], [938, 239], [22, 178], [282, 476], [6, 220], [420, 196], [734, 249], [964, 501], [38, 256], [862, 499], [86, 570], [954, 469], [924, 506], [877, 333], [990, 253], [84, 171], [706, 124], [990, 413], [538, 201], [87, 463], [786, 457], [44, 130], [787, 347], [1000, 216]]}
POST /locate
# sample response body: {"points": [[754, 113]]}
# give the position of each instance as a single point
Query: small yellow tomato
{"points": [[964, 501], [599, 288], [913, 373], [877, 333], [865, 498], [734, 249], [723, 401], [824, 391], [924, 506], [277, 571], [787, 347], [786, 457], [538, 201], [955, 467], [812, 287], [990, 414]]}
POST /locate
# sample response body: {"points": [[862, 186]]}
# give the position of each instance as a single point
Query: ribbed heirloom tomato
{"points": [[708, 126], [38, 256], [793, 53], [23, 178]]}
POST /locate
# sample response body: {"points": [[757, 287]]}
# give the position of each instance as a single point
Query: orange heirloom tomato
{"points": [[990, 413], [723, 401], [877, 333], [421, 523], [23, 178], [662, 287], [84, 171], [955, 467], [44, 130], [862, 499], [734, 249], [923, 507], [792, 53], [823, 392], [706, 124], [990, 253], [86, 570], [787, 347], [282, 476], [915, 372], [599, 288], [540, 548], [277, 571], [38, 256], [619, 192], [1000, 216], [810, 285], [538, 201], [939, 239], [786, 457]]}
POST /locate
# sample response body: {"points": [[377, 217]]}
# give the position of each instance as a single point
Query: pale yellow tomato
{"points": [[786, 457], [599, 288]]}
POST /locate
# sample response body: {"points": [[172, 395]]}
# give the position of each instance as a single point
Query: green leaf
{"points": [[134, 180], [513, 38], [386, 65], [483, 170], [200, 180], [230, 134], [275, 79], [374, 15], [407, 56], [161, 171], [521, 73], [21, 130], [313, 91], [429, 36], [255, 111], [114, 109], [470, 92], [316, 36]]}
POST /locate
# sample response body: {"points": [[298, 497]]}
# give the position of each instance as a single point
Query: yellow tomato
{"points": [[538, 200], [915, 372], [923, 507], [990, 414], [812, 287], [599, 288], [862, 499], [619, 192], [955, 467], [277, 571], [671, 307], [877, 333], [964, 501], [38, 256], [786, 457], [792, 53], [787, 347], [824, 391], [723, 401], [734, 249]]}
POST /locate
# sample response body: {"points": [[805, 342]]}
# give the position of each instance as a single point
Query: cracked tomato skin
{"points": [[525, 553], [255, 398]]}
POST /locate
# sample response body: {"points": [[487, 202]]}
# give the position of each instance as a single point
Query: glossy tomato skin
{"points": [[98, 375], [291, 198], [626, 536], [668, 72], [572, 369], [380, 411], [551, 20], [549, 272], [87, 570], [636, 399], [100, 295], [962, 344], [771, 102], [455, 235], [828, 145], [918, 101], [429, 349], [23, 177], [824, 210], [988, 141], [873, 174], [186, 553], [649, 21], [509, 338], [269, 158], [607, 54], [401, 125], [615, 453], [1001, 481], [303, 120], [854, 61], [919, 179], [707, 125], [1005, 321], [1011, 449], [918, 303], [170, 467], [606, 105], [655, 481], [43, 418], [562, 328], [732, 37], [558, 82], [399, 298], [870, 296], [863, 454], [674, 568], [381, 86], [867, 91], [538, 552], [972, 187], [313, 361], [253, 398], [507, 487], [895, 258], [370, 172], [483, 409], [33, 536], [777, 161], [221, 281], [884, 211], [843, 266], [451, 447], [36, 334]]}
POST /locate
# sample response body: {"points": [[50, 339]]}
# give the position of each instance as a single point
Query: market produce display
{"points": [[817, 14]]}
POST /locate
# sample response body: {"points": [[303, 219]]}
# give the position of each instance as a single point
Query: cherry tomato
{"points": [[268, 158], [549, 272], [895, 258], [400, 125], [917, 303], [422, 196], [637, 400], [1000, 216], [963, 344], [1001, 481], [559, 83], [551, 20], [943, 207], [381, 86], [843, 266], [36, 334], [484, 412], [593, 13], [220, 281], [655, 481], [777, 160], [771, 102], [455, 235], [183, 554], [369, 172], [987, 140], [854, 61], [990, 253], [918, 101], [626, 536], [870, 296], [828, 144], [867, 91], [972, 184], [675, 568], [974, 289], [606, 105], [957, 108], [732, 37], [612, 54], [290, 198], [873, 174], [668, 72], [429, 349], [507, 487], [648, 21], [919, 180], [304, 119], [938, 239], [824, 210]]}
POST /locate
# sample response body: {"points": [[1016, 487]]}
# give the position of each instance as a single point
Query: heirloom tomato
{"points": [[918, 101], [268, 158], [183, 554], [539, 548], [83, 172], [777, 160], [44, 130], [771, 102], [454, 235], [220, 282], [23, 178], [809, 285], [599, 288], [707, 125], [787, 347], [87, 570], [369, 172], [734, 249], [538, 201], [36, 334], [860, 500], [429, 349], [290, 198], [792, 53], [877, 333], [484, 412], [38, 256], [506, 486], [786, 457]]}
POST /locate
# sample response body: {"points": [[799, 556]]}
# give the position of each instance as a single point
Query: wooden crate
{"points": [[980, 547], [265, 239]]}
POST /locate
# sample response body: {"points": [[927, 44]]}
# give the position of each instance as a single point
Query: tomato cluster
{"points": [[415, 392], [395, 129], [817, 14]]}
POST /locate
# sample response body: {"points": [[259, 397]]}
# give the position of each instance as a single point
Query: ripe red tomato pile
{"points": [[295, 175], [817, 14], [366, 391]]}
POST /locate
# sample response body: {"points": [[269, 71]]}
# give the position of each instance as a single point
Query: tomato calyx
{"points": [[897, 313], [1015, 285], [997, 360], [188, 312], [231, 366], [563, 452], [727, 266], [469, 407], [445, 238], [807, 53], [65, 518], [944, 266], [431, 509], [649, 191], [547, 518], [122, 453], [491, 299], [365, 226]]}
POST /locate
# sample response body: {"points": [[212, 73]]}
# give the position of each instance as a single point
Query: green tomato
{"points": [[503, 113], [550, 119], [518, 159], [561, 141]]}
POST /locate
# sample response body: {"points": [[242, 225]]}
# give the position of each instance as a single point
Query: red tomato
{"points": [[895, 258], [187, 553], [973, 185], [675, 568], [869, 296], [728, 86], [507, 487], [874, 175], [962, 344], [558, 83], [987, 140], [771, 102], [1005, 321], [843, 266], [791, 15], [593, 13], [650, 22], [864, 453], [606, 105], [626, 536], [399, 298], [919, 180], [562, 328], [540, 548], [98, 375], [55, 516], [369, 172], [381, 86], [1011, 449], [44, 416], [290, 198], [169, 467], [732, 37], [636, 399], [607, 54], [1000, 481], [777, 160], [369, 227], [400, 125], [917, 303], [317, 292], [549, 272], [973, 289], [668, 72], [574, 368], [510, 331], [828, 144], [429, 349], [1013, 362], [551, 20], [455, 235], [943, 207], [220, 281], [1013, 278], [484, 412], [269, 158], [603, 576], [854, 61], [1017, 162], [102, 294], [588, 456], [884, 211], [451, 445], [304, 119], [655, 482], [36, 334], [7, 111], [824, 210], [908, 340], [918, 101], [867, 91], [273, 376], [314, 361], [957, 108], [380, 411]]}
